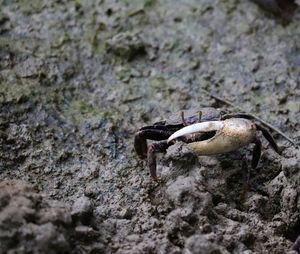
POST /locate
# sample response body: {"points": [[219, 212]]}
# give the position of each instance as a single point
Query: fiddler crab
{"points": [[207, 131]]}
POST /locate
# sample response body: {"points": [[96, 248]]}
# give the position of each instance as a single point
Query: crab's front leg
{"points": [[141, 148], [140, 145], [160, 147], [140, 139]]}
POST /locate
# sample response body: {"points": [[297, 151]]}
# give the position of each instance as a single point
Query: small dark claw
{"points": [[256, 153], [140, 139], [156, 134], [140, 145], [269, 137], [154, 148]]}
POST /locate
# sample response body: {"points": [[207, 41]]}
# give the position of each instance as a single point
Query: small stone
{"points": [[280, 80], [133, 238], [92, 190], [256, 203], [83, 229], [126, 45], [82, 207], [86, 232], [197, 244], [126, 213], [29, 68], [193, 65]]}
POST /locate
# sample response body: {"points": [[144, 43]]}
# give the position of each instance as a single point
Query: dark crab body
{"points": [[161, 131], [283, 8], [231, 134]]}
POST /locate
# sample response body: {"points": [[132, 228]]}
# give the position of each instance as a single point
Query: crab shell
{"points": [[191, 116], [231, 134]]}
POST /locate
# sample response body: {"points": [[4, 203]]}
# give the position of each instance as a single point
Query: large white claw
{"points": [[197, 127]]}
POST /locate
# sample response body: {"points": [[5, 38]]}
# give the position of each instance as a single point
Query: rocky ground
{"points": [[77, 78]]}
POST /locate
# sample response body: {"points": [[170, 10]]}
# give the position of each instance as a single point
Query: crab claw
{"points": [[230, 135], [198, 127]]}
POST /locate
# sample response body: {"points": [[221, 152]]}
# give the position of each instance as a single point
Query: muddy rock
{"points": [[198, 244], [30, 67], [79, 78], [30, 222], [33, 223], [82, 208], [126, 45]]}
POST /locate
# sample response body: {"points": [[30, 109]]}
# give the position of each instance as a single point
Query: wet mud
{"points": [[78, 78]]}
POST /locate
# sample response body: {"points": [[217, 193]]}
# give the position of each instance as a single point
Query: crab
{"points": [[164, 132], [228, 135]]}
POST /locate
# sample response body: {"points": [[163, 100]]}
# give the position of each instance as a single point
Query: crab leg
{"points": [[140, 139], [154, 148], [256, 153], [140, 145], [269, 137]]}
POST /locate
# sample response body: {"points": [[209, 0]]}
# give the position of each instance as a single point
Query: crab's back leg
{"points": [[160, 147], [140, 139], [269, 137], [256, 153]]}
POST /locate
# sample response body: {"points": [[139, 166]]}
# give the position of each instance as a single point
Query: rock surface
{"points": [[77, 78]]}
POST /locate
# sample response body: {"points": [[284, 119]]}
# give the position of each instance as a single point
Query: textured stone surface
{"points": [[77, 78]]}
